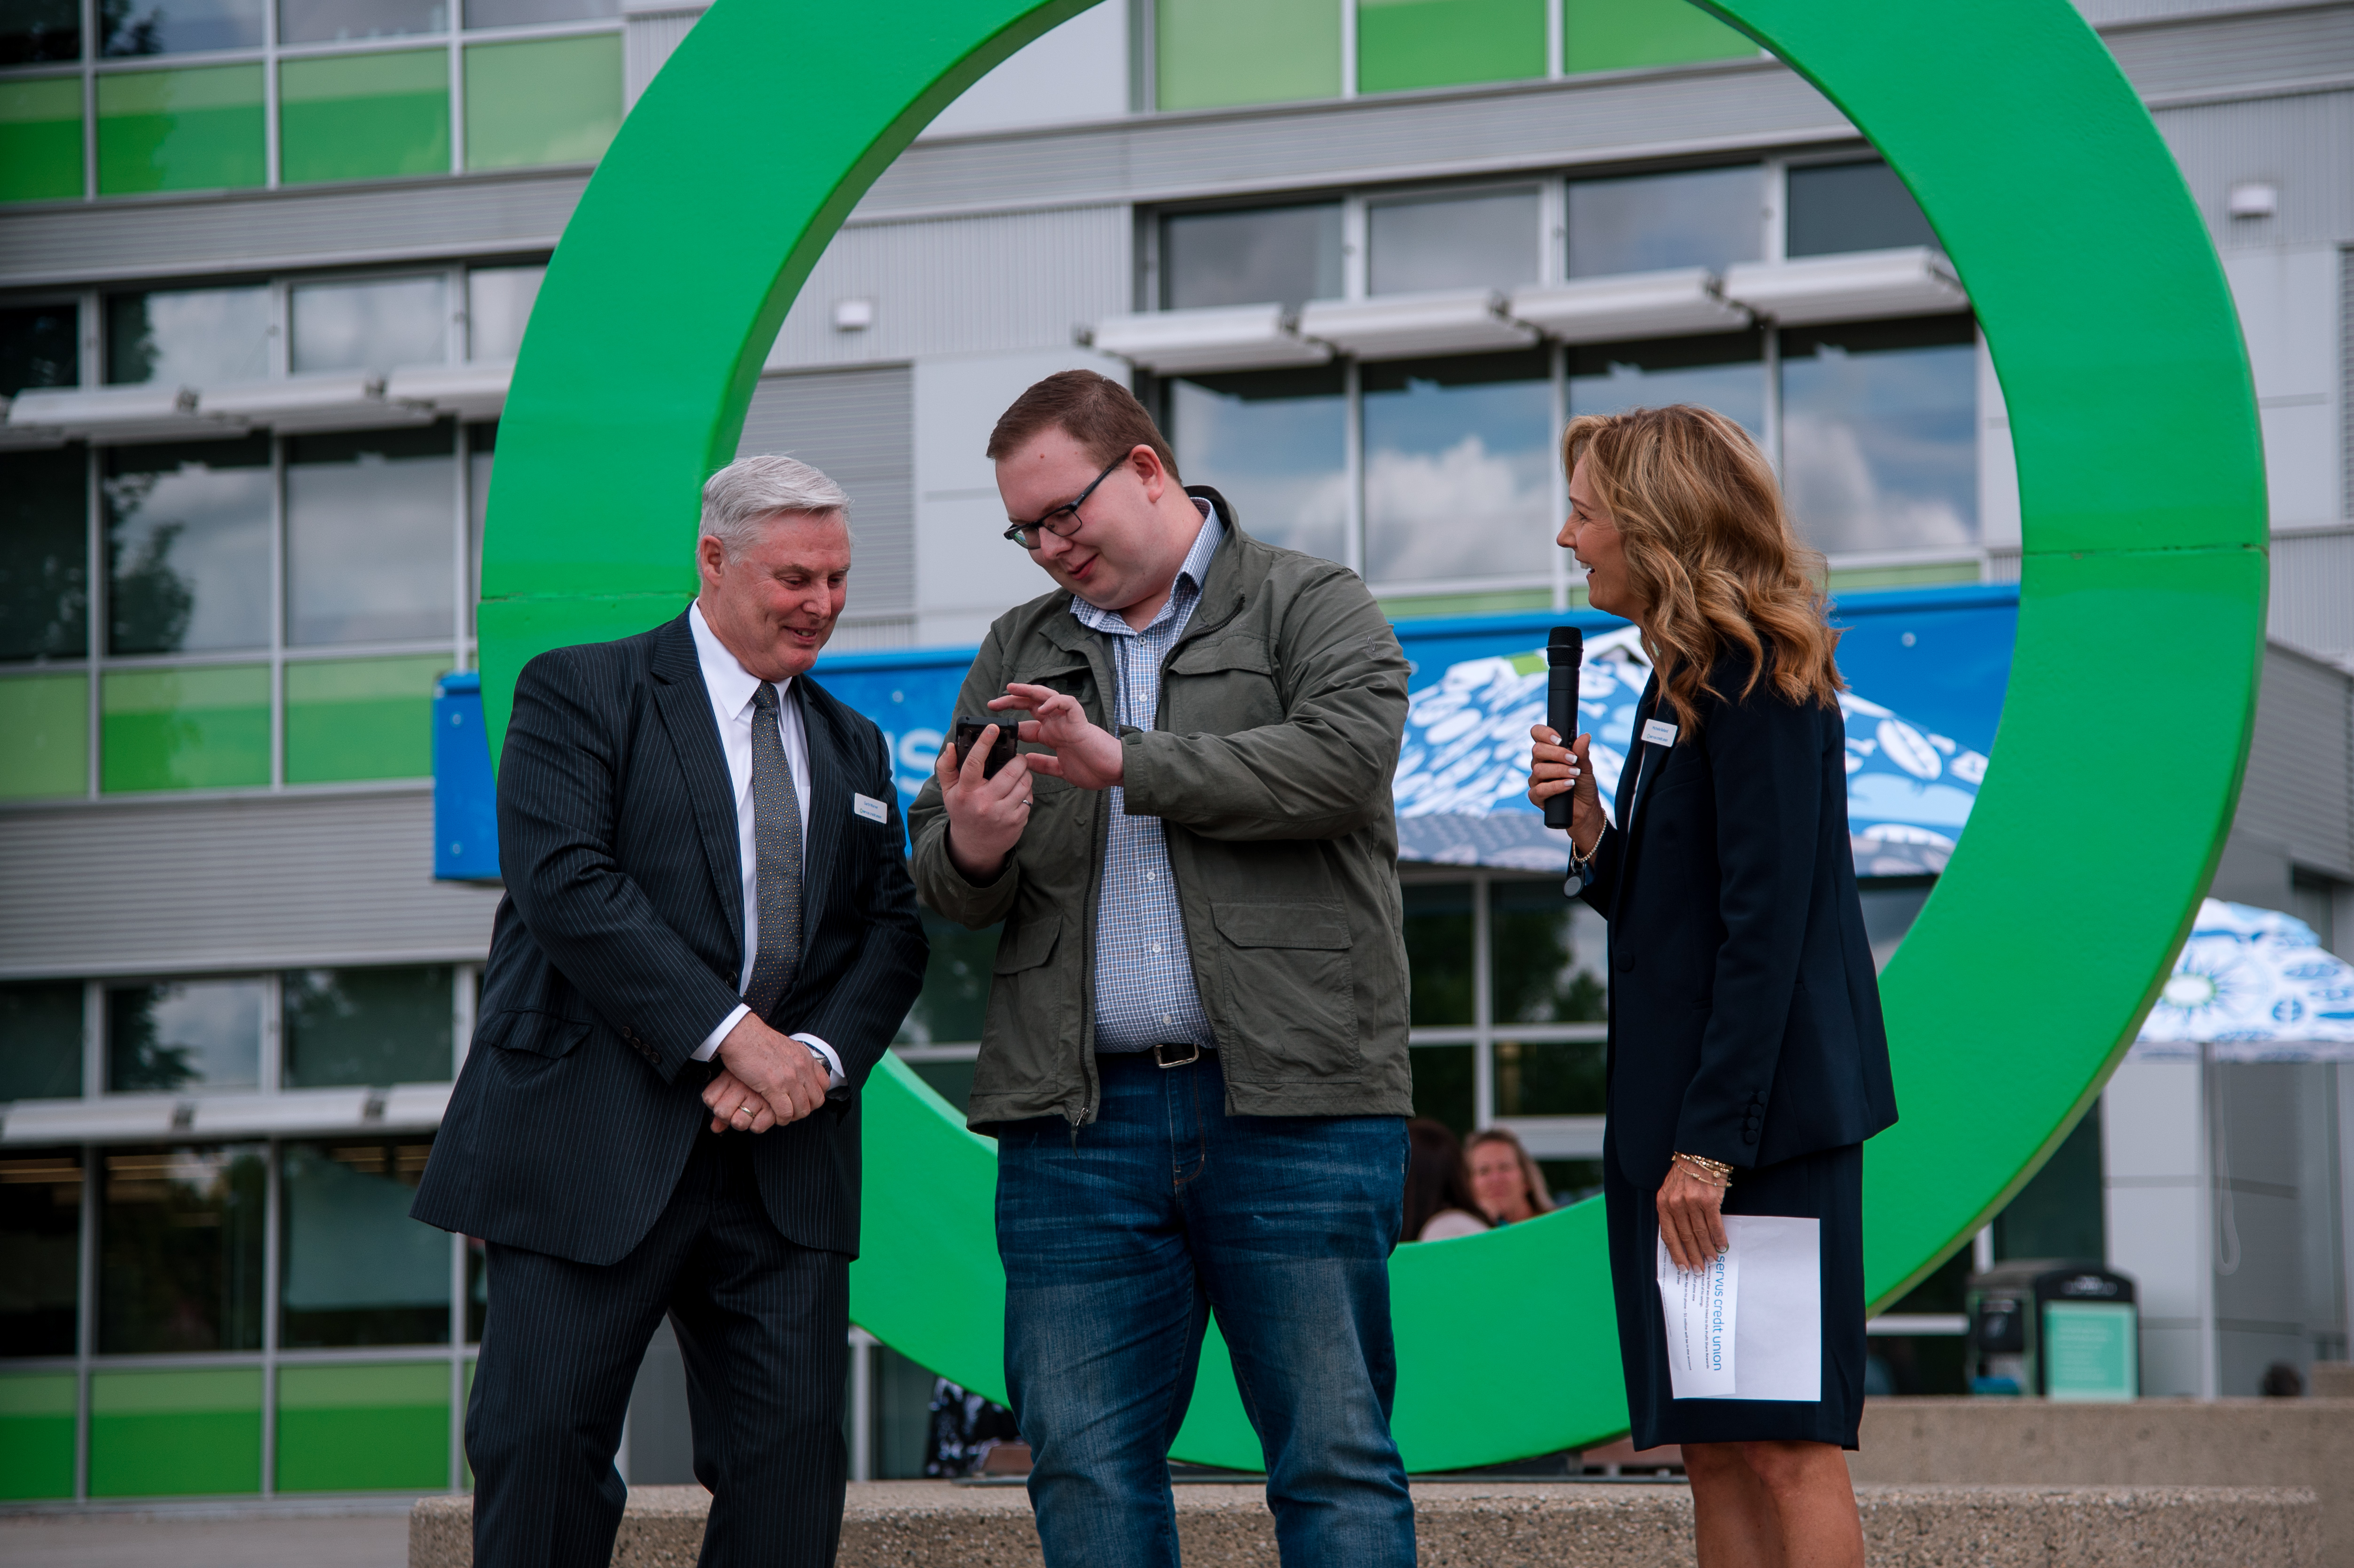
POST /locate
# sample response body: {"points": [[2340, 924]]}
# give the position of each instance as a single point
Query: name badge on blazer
{"points": [[1656, 733], [868, 807]]}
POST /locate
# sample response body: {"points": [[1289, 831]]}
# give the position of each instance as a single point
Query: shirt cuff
{"points": [[710, 1047], [824, 1053]]}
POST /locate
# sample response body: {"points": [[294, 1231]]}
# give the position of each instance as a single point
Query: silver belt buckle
{"points": [[1161, 1059]]}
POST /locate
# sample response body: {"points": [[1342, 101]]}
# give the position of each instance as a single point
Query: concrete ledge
{"points": [[932, 1524], [2151, 1441]]}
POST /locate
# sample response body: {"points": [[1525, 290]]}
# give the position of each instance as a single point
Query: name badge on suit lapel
{"points": [[868, 807], [1656, 733]]}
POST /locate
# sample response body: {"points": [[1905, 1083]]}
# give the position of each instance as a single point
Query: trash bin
{"points": [[2054, 1326]]}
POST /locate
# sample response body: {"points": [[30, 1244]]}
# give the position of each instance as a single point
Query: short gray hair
{"points": [[739, 497]]}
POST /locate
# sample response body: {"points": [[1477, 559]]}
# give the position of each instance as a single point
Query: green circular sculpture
{"points": [[2113, 778]]}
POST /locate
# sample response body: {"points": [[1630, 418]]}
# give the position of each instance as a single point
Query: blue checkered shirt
{"points": [[1145, 994]]}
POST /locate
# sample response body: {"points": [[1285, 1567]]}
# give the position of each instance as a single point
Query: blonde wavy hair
{"points": [[1710, 550]]}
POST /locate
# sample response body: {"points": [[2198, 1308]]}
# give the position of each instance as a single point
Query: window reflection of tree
{"points": [[138, 1059], [44, 558], [152, 602], [125, 34], [181, 1250], [40, 30]]}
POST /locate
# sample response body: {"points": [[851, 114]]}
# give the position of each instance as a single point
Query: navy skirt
{"points": [[1826, 1186]]}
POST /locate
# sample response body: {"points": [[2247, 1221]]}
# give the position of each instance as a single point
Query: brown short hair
{"points": [[1093, 410]]}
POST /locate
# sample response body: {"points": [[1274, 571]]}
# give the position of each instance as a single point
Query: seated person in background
{"points": [[1504, 1183], [1436, 1207]]}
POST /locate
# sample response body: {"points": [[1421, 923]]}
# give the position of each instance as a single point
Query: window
{"points": [[359, 117], [184, 1035], [1477, 239], [40, 1248], [40, 1041], [1458, 455], [1548, 959], [1275, 443], [38, 344], [188, 542], [1852, 206], [180, 26], [1283, 255], [357, 1270], [1725, 373], [34, 31], [189, 337], [1443, 43], [547, 100], [198, 128], [1880, 434], [333, 21], [525, 12], [1648, 223], [498, 302], [1210, 53], [44, 556], [950, 1008], [372, 1026], [180, 1249], [372, 325], [40, 138], [1622, 34], [368, 536]]}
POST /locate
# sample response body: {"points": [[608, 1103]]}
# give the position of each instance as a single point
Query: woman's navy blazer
{"points": [[1744, 1013]]}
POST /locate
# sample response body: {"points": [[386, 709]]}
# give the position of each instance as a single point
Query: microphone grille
{"points": [[1566, 646]]}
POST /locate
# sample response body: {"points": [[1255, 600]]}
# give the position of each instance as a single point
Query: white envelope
{"points": [[1769, 1303]]}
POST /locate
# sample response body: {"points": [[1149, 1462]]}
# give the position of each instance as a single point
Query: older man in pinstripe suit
{"points": [[708, 940]]}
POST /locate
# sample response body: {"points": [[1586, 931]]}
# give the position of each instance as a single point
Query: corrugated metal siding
{"points": [[2312, 602], [963, 285], [2110, 12], [2346, 371], [1390, 137], [252, 882], [2297, 786], [2303, 143], [2229, 51], [471, 216], [647, 40], [859, 426]]}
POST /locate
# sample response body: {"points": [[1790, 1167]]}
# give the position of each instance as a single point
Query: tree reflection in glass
{"points": [[366, 1026], [180, 1249], [357, 1270], [187, 546], [185, 1034], [1549, 963]]}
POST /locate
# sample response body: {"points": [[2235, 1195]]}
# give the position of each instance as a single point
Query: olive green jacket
{"points": [[1281, 709]]}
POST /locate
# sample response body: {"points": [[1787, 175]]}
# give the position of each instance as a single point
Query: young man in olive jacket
{"points": [[1194, 1060]]}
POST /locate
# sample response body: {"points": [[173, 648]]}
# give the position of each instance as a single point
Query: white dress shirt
{"points": [[731, 687]]}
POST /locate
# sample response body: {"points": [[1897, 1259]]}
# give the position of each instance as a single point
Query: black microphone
{"points": [[1564, 651]]}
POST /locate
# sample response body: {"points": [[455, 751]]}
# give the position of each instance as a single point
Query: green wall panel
{"points": [[1616, 35], [40, 139], [174, 1434], [185, 729], [36, 1436], [360, 718], [46, 721], [1213, 52], [549, 101], [364, 1428], [1442, 43], [361, 117], [179, 129]]}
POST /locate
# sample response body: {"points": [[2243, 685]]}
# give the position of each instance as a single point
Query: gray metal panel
{"points": [[859, 426], [961, 285], [2298, 790], [2346, 374], [471, 214], [2303, 143], [647, 40], [248, 883], [1725, 107], [2112, 13], [2312, 603], [2226, 50]]}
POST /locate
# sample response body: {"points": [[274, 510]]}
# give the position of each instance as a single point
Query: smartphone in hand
{"points": [[967, 736]]}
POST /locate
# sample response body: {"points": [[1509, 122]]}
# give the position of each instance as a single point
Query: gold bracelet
{"points": [[1713, 1173]]}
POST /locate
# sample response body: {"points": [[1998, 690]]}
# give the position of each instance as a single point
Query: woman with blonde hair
{"points": [[1748, 1063], [1503, 1180]]}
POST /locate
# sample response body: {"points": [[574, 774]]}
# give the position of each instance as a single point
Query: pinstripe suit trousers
{"points": [[763, 1325]]}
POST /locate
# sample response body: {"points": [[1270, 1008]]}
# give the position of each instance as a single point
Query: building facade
{"points": [[263, 269]]}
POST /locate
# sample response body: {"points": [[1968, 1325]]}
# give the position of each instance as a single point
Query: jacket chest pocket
{"points": [[1223, 684]]}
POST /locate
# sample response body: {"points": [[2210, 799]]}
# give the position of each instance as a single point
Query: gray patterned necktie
{"points": [[777, 839]]}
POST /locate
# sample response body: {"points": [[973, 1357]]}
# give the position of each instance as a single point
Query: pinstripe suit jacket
{"points": [[616, 950]]}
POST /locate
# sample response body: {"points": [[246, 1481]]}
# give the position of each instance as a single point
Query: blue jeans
{"points": [[1116, 1253]]}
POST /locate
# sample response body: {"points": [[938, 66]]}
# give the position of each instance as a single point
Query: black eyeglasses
{"points": [[1064, 520]]}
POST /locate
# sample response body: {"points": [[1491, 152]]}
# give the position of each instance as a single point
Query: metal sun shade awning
{"points": [[291, 405]]}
